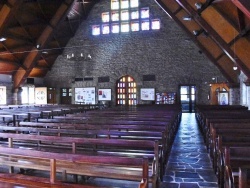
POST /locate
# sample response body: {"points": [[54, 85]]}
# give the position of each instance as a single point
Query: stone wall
{"points": [[168, 53]]}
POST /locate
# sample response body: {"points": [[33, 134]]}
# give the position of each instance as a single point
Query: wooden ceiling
{"points": [[36, 32]]}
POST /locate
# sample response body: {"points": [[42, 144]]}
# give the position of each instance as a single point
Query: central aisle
{"points": [[189, 165]]}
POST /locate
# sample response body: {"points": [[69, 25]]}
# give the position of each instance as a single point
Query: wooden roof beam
{"points": [[7, 12], [210, 57], [31, 59], [214, 35]]}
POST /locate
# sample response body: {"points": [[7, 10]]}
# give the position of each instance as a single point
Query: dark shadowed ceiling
{"points": [[36, 32]]}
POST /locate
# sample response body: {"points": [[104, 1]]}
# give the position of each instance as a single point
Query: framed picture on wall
{"points": [[85, 95], [104, 94], [223, 98], [148, 94]]}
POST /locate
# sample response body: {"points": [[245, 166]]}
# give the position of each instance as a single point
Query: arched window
{"points": [[126, 91]]}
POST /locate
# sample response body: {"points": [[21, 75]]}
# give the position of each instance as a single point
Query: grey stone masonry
{"points": [[168, 53]]}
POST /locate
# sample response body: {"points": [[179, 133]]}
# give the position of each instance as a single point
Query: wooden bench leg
{"points": [[64, 176], [75, 178], [52, 170], [11, 169]]}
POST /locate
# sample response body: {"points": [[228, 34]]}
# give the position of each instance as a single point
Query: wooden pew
{"points": [[103, 147], [20, 180], [234, 158], [133, 169], [244, 177]]}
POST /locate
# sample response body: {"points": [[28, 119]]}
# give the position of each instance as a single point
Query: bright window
{"points": [[114, 4], [134, 3], [125, 27], [105, 17], [96, 30], [115, 28], [134, 14], [124, 15], [145, 25], [124, 4], [156, 24], [135, 26], [105, 29], [145, 13], [115, 16]]}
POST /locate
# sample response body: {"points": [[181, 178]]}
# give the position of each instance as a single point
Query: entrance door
{"points": [[65, 95], [126, 91], [51, 95], [188, 98]]}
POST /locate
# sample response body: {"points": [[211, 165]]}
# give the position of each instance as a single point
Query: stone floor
{"points": [[189, 165]]}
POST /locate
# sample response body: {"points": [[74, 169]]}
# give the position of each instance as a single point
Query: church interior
{"points": [[125, 93]]}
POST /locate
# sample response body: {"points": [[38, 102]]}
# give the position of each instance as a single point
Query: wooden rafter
{"points": [[34, 55], [210, 57], [215, 36]]}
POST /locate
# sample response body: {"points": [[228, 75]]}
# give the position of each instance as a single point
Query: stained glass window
{"points": [[124, 27], [115, 16], [155, 24], [134, 3], [135, 26], [96, 30], [134, 18], [124, 4], [124, 15], [105, 17], [134, 14], [115, 28], [145, 13], [105, 29], [145, 25], [114, 4]]}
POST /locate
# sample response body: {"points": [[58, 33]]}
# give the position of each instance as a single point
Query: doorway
{"points": [[66, 95], [51, 95], [126, 91], [188, 98]]}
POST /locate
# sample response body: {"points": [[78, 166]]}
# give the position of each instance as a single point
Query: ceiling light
{"points": [[235, 67], [198, 5], [2, 39], [197, 32], [187, 18], [38, 46]]}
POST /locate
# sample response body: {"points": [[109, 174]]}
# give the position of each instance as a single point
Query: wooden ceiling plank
{"points": [[7, 12], [205, 51], [213, 34], [17, 62], [44, 38]]}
